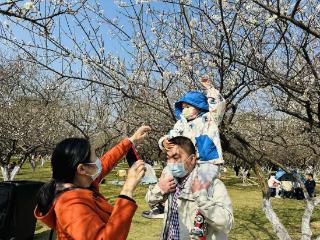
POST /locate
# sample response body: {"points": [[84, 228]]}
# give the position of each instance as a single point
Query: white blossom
{"points": [[154, 29], [166, 74], [29, 5], [142, 1], [193, 22], [271, 19]]}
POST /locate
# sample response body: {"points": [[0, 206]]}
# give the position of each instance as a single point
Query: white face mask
{"points": [[99, 169], [188, 112]]}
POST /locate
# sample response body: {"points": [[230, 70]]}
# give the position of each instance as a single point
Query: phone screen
{"points": [[132, 156]]}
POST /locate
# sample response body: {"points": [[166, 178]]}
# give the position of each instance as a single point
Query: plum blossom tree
{"points": [[35, 114], [262, 55], [258, 51], [29, 119]]}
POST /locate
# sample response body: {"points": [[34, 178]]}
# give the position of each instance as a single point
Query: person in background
{"points": [[310, 185], [157, 212], [71, 202], [274, 185], [236, 168]]}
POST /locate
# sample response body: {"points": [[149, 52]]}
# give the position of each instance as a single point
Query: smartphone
{"points": [[132, 156]]}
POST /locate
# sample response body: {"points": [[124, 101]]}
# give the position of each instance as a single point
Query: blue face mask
{"points": [[177, 169], [99, 169]]}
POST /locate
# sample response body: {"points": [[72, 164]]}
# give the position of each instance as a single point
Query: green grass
{"points": [[250, 221]]}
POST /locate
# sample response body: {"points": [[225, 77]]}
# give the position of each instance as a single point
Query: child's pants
{"points": [[207, 171]]}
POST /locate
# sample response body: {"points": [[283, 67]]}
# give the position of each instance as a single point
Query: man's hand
{"points": [[197, 185], [167, 184]]}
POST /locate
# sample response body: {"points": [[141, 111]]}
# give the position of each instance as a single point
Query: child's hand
{"points": [[167, 145], [197, 185], [206, 82]]}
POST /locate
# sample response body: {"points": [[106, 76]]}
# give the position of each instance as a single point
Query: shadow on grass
{"points": [[42, 235], [251, 224]]}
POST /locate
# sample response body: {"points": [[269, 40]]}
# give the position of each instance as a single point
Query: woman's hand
{"points": [[141, 133], [135, 173]]}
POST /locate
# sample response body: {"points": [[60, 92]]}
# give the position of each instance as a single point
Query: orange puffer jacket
{"points": [[85, 214]]}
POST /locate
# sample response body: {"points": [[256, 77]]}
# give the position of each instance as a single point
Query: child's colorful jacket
{"points": [[203, 130]]}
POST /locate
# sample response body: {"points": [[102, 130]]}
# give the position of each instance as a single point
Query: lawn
{"points": [[250, 222]]}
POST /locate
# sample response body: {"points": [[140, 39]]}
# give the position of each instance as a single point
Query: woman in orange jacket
{"points": [[71, 203]]}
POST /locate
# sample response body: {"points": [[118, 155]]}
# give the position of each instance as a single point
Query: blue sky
{"points": [[111, 10]]}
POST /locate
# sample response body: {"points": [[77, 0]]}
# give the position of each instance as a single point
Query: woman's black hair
{"points": [[67, 155]]}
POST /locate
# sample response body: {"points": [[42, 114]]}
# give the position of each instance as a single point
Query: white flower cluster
{"points": [[188, 2], [271, 19], [6, 24], [193, 22], [142, 1], [121, 3], [167, 74], [57, 2], [154, 30], [29, 5]]}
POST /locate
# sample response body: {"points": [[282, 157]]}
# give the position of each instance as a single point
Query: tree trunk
{"points": [[14, 172], [277, 226], [235, 144], [5, 173], [306, 232]]}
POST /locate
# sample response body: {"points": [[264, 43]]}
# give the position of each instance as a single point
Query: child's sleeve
{"points": [[217, 105], [160, 142]]}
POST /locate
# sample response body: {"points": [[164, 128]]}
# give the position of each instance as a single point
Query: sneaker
{"points": [[154, 213]]}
